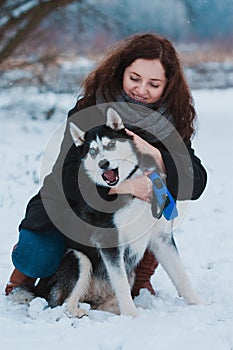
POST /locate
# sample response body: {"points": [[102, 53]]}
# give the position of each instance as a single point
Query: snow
{"points": [[204, 240]]}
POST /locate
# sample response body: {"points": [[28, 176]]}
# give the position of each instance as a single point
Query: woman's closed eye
{"points": [[138, 79], [134, 79]]}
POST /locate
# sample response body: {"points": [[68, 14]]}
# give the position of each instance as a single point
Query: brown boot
{"points": [[17, 278], [144, 271]]}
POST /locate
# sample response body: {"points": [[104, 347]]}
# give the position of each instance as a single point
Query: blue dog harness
{"points": [[162, 199]]}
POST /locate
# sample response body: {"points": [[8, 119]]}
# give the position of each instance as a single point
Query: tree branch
{"points": [[33, 18]]}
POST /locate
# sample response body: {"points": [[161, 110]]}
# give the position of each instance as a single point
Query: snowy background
{"points": [[204, 239]]}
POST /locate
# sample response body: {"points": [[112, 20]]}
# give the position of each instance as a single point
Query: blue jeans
{"points": [[38, 254]]}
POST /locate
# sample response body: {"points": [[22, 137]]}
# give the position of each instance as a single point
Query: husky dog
{"points": [[103, 276]]}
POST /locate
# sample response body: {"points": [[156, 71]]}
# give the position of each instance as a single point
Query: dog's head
{"points": [[108, 154]]}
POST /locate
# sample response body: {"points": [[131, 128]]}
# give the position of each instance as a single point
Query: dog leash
{"points": [[162, 199]]}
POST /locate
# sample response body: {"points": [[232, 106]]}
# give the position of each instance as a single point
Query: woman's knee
{"points": [[39, 254]]}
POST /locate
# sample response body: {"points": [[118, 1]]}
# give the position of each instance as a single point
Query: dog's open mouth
{"points": [[111, 177]]}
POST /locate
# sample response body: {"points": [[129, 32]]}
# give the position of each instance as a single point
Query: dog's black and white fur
{"points": [[102, 276]]}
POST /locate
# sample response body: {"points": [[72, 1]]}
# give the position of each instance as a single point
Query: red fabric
{"points": [[17, 278], [144, 271]]}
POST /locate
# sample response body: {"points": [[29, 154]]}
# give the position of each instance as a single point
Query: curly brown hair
{"points": [[108, 76]]}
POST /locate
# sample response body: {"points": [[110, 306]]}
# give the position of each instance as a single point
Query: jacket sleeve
{"points": [[65, 170], [186, 176]]}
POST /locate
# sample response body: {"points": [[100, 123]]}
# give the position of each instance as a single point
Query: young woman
{"points": [[142, 70]]}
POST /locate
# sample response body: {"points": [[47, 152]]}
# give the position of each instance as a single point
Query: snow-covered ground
{"points": [[204, 240]]}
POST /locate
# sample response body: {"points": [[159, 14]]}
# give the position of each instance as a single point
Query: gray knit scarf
{"points": [[137, 115]]}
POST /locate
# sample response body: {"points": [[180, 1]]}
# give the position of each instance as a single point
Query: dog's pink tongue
{"points": [[110, 175]]}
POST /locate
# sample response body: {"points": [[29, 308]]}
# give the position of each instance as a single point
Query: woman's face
{"points": [[144, 80]]}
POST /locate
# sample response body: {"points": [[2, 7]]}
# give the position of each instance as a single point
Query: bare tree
{"points": [[21, 17]]}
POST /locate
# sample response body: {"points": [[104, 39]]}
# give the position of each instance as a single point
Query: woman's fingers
{"points": [[139, 187], [142, 145], [130, 133]]}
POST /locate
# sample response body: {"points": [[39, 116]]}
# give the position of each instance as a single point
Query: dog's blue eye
{"points": [[93, 152], [111, 144]]}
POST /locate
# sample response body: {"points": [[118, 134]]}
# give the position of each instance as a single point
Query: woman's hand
{"points": [[140, 187], [145, 148]]}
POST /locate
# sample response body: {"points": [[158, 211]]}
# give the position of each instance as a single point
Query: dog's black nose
{"points": [[104, 164]]}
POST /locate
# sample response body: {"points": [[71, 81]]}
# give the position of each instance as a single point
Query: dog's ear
{"points": [[77, 135], [114, 120]]}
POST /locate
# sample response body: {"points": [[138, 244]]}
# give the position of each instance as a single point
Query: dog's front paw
{"points": [[133, 312], [204, 302], [199, 301], [77, 312]]}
